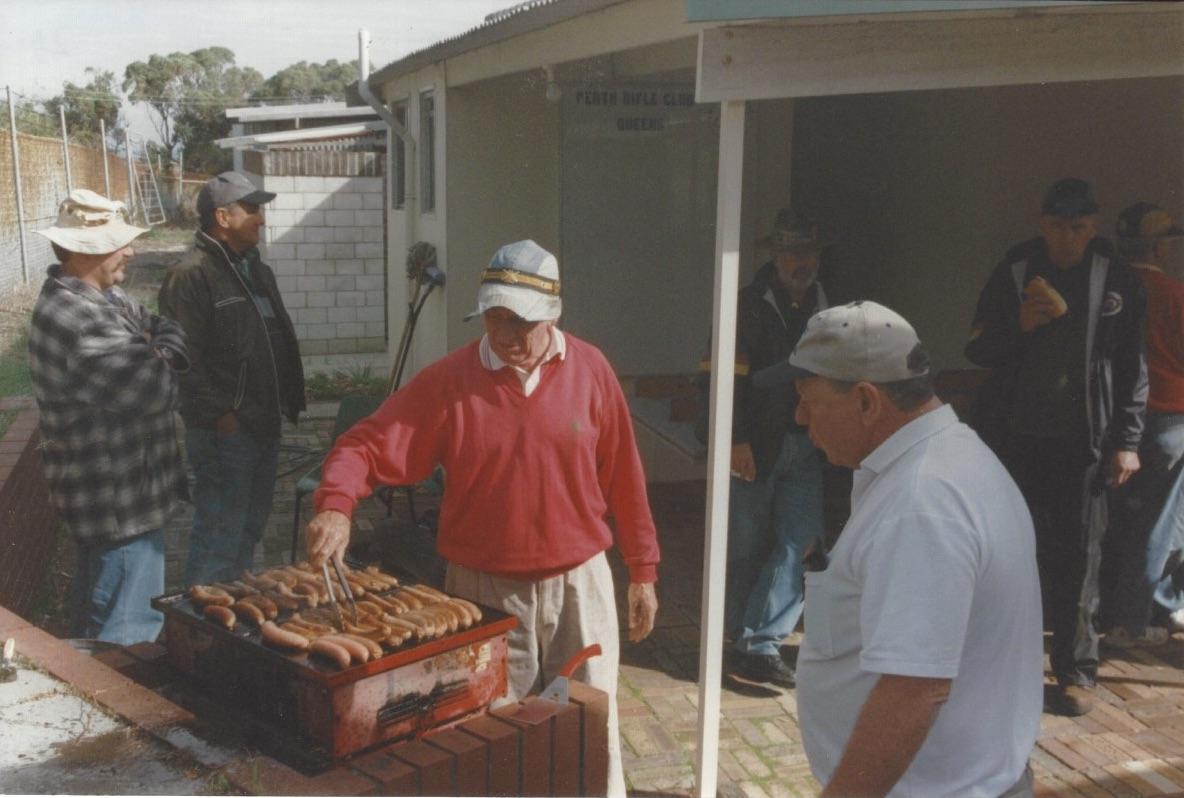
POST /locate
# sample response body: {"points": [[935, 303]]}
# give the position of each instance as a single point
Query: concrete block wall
{"points": [[325, 239]]}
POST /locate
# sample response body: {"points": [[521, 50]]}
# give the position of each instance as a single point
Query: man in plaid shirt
{"points": [[105, 375]]}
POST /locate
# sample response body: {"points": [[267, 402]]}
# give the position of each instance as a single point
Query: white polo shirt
{"points": [[934, 575]]}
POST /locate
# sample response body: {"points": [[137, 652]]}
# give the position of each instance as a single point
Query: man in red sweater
{"points": [[1145, 541], [536, 442]]}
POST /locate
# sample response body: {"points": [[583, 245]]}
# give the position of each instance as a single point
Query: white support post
{"points": [[723, 369], [180, 179], [106, 167], [65, 148], [16, 180]]}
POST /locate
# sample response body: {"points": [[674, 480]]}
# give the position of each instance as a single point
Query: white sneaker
{"points": [[1152, 636], [1176, 621]]}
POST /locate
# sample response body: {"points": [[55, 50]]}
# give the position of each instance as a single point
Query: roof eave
{"points": [[548, 13]]}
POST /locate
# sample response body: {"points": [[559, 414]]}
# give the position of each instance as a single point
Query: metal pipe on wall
{"points": [[16, 174]]}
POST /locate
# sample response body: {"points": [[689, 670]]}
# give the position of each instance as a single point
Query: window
{"points": [[399, 162], [427, 152]]}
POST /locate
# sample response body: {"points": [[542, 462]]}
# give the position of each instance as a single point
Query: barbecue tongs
{"points": [[349, 594]]}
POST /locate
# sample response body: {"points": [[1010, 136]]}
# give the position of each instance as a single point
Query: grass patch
{"points": [[325, 387], [168, 234], [14, 368]]}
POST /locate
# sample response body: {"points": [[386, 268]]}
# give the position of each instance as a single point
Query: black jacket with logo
{"points": [[233, 367], [1116, 366]]}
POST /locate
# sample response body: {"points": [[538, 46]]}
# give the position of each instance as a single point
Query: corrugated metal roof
{"points": [[501, 25], [261, 113], [354, 129]]}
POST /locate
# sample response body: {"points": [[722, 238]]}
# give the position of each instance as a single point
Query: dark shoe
{"points": [[761, 668], [1071, 700]]}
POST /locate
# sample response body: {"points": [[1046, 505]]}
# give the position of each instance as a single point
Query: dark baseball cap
{"points": [[1069, 198], [795, 232], [227, 188], [1147, 220]]}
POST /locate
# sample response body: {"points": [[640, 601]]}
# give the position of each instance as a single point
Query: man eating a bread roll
{"points": [[1060, 325]]}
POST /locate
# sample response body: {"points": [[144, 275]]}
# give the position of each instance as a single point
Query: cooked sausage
{"points": [[385, 578], [270, 610], [431, 591], [319, 628], [284, 602], [466, 620], [474, 610], [219, 614], [410, 599], [282, 638], [306, 589], [411, 628], [357, 651], [330, 651], [423, 595], [372, 646], [258, 582], [250, 612], [204, 594]]}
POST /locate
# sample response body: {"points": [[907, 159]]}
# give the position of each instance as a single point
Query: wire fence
{"points": [[40, 162]]}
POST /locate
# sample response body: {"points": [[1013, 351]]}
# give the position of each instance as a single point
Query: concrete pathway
{"points": [[53, 740]]}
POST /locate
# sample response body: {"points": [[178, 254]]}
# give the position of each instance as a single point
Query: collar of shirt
{"points": [[905, 438], [557, 348]]}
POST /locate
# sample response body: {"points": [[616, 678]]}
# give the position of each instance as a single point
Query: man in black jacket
{"points": [[1060, 323], [245, 377], [776, 491]]}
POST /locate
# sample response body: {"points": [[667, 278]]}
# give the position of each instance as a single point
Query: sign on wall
{"points": [[628, 110]]}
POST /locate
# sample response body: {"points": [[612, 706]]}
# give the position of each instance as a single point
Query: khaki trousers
{"points": [[556, 618]]}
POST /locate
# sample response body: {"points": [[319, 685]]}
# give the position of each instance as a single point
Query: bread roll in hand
{"points": [[1039, 289]]}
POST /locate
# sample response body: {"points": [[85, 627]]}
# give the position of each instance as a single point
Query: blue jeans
{"points": [[235, 483], [113, 586], [1147, 526], [770, 524]]}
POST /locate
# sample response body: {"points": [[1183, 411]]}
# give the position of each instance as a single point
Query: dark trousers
{"points": [[1059, 480]]}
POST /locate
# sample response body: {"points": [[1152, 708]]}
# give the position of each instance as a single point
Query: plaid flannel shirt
{"points": [[105, 373]]}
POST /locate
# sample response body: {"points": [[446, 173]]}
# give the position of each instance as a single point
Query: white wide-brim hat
{"points": [[90, 224], [523, 278]]}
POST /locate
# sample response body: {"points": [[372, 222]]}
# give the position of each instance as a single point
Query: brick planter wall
{"points": [[28, 523]]}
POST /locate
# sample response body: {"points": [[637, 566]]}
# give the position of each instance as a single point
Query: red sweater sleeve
{"points": [[622, 481], [399, 444]]}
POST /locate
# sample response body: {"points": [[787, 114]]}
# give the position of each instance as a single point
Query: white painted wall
{"points": [[503, 184], [411, 224]]}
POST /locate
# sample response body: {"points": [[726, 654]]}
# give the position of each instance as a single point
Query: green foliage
{"points": [[359, 380], [190, 93], [86, 105], [304, 82], [14, 369], [31, 119]]}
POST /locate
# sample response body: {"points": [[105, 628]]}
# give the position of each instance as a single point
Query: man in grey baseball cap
{"points": [[929, 607], [245, 378], [225, 189]]}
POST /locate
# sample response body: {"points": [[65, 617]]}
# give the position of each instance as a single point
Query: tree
{"points": [[86, 105], [190, 93], [304, 82], [31, 119]]}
